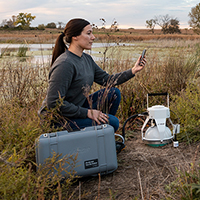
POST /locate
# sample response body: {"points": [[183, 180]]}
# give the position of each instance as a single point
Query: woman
{"points": [[72, 74]]}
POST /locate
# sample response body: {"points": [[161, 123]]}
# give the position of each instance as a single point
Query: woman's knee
{"points": [[116, 93], [114, 121]]}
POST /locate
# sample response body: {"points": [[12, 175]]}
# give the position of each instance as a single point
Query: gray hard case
{"points": [[95, 147]]}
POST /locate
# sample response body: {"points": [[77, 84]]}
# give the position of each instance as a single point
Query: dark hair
{"points": [[72, 29]]}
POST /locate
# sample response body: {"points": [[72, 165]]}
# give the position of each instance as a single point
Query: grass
{"points": [[124, 35], [173, 66], [187, 183]]}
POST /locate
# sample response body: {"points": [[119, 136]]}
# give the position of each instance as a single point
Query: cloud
{"points": [[131, 13]]}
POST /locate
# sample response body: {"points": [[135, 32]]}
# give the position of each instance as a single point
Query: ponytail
{"points": [[72, 29], [59, 48]]}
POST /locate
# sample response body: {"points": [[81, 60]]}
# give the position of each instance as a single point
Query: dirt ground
{"points": [[143, 172]]}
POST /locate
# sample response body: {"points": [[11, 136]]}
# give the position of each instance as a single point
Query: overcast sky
{"points": [[128, 13]]}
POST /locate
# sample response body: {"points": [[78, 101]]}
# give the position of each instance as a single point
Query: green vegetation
{"points": [[24, 20], [22, 51], [195, 18], [173, 66], [187, 184]]}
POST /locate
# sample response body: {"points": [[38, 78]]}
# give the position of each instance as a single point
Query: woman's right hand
{"points": [[97, 116], [139, 65]]}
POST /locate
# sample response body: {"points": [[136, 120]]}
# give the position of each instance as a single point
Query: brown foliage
{"points": [[124, 35]]}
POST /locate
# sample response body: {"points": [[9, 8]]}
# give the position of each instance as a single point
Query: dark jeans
{"points": [[106, 100]]}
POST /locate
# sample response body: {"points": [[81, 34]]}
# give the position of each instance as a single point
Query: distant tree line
{"points": [[168, 24], [23, 21]]}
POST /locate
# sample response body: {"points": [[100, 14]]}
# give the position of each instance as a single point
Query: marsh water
{"points": [[41, 53]]}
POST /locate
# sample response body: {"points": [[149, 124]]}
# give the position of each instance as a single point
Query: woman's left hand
{"points": [[139, 65], [97, 116]]}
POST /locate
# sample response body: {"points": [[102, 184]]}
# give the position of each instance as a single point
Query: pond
{"points": [[41, 53]]}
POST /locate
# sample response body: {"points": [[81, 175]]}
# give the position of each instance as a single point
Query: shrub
{"points": [[41, 27], [51, 25], [187, 106]]}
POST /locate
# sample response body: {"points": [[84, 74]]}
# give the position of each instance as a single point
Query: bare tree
{"points": [[163, 21], [151, 24], [60, 25], [11, 22], [168, 24], [4, 22]]}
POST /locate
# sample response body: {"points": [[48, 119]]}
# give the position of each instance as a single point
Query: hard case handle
{"points": [[158, 94], [98, 127]]}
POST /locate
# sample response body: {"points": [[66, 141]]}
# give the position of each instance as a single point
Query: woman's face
{"points": [[86, 38]]}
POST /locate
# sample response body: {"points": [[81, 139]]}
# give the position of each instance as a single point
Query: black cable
{"points": [[133, 116]]}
